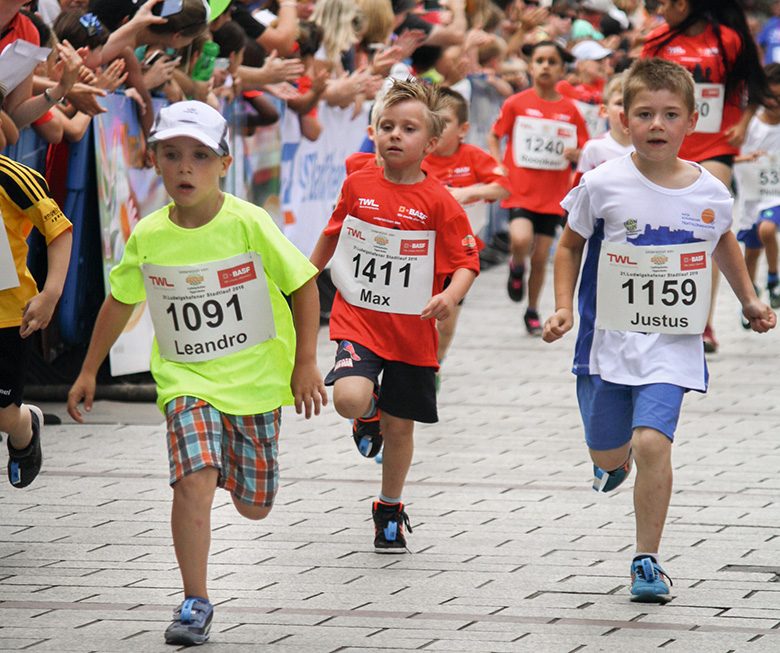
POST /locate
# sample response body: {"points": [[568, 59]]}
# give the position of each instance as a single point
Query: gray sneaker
{"points": [[191, 622], [774, 295]]}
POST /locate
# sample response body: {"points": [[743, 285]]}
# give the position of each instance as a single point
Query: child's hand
{"points": [[572, 154], [308, 389], [461, 195], [112, 76], [558, 325], [439, 307], [37, 313], [68, 66], [83, 388], [761, 317]]}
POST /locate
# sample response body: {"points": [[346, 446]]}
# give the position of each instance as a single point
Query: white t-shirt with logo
{"points": [[616, 203], [759, 136], [601, 149]]}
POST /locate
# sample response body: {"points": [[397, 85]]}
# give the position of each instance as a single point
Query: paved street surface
{"points": [[512, 550]]}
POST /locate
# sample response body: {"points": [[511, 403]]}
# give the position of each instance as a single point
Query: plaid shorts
{"points": [[244, 448]]}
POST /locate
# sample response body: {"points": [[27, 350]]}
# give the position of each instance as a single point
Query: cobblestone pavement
{"points": [[512, 550]]}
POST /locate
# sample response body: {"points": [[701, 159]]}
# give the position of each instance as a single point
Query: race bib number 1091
{"points": [[205, 311]]}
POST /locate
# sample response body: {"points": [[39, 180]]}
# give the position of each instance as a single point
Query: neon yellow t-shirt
{"points": [[248, 382]]}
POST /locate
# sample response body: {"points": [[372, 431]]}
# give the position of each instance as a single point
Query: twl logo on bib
{"points": [[386, 270], [655, 289], [205, 311]]}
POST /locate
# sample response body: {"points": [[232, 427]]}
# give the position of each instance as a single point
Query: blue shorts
{"points": [[611, 411], [749, 237]]}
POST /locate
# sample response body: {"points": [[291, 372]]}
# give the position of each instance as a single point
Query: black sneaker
{"points": [[191, 622], [514, 284], [389, 522], [367, 434], [24, 464], [532, 323]]}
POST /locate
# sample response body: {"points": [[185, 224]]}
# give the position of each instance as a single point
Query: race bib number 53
{"points": [[658, 289], [386, 270], [205, 311]]}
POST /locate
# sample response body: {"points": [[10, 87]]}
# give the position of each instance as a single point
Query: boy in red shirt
{"points": [[469, 173], [545, 133], [395, 236]]}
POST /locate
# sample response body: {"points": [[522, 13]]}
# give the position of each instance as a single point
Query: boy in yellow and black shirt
{"points": [[25, 202]]}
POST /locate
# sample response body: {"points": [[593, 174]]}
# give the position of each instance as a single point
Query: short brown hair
{"points": [[189, 22], [451, 99], [414, 91], [615, 85], [658, 75]]}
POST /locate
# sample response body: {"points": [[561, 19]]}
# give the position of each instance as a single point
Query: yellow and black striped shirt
{"points": [[24, 202]]}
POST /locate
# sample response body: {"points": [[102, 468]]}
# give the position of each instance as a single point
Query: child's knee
{"points": [[766, 230], [250, 511], [610, 459], [197, 485], [650, 445], [352, 400]]}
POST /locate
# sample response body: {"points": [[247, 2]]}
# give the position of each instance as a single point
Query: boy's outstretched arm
{"points": [[476, 192], [38, 311], [110, 323], [566, 269], [441, 306], [307, 386], [323, 250], [728, 256]]}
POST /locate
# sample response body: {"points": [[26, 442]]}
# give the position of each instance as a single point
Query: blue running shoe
{"points": [[604, 481], [367, 434], [191, 622], [649, 581], [389, 522]]}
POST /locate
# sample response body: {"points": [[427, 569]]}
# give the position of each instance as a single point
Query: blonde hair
{"points": [[341, 21], [414, 91], [614, 85], [377, 20], [658, 75]]}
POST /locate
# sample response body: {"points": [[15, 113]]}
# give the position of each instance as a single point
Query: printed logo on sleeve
{"points": [[237, 275]]}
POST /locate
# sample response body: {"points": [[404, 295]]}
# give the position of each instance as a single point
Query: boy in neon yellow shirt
{"points": [[227, 352]]}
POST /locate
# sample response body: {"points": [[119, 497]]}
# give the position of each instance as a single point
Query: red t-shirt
{"points": [[20, 27], [532, 189], [467, 166], [424, 206], [701, 55], [360, 160], [588, 93]]}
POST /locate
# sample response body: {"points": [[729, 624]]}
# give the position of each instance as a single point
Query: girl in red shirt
{"points": [[711, 39], [545, 133]]}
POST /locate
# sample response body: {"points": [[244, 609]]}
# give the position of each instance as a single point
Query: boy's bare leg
{"points": [[352, 396], [752, 255], [16, 421], [446, 330], [538, 269], [191, 527], [652, 487], [767, 232], [521, 240], [397, 458]]}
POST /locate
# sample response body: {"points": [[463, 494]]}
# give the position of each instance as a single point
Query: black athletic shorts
{"points": [[406, 391], [544, 223], [14, 352], [725, 159]]}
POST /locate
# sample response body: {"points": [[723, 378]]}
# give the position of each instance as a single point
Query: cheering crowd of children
{"points": [[631, 170]]}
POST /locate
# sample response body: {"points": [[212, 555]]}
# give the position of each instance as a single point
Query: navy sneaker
{"points": [[24, 464], [649, 582], [389, 522], [515, 287], [191, 622], [604, 481], [367, 434], [532, 322]]}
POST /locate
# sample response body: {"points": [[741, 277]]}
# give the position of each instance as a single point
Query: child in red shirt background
{"points": [[545, 133]]}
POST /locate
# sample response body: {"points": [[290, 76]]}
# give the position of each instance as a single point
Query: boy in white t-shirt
{"points": [[757, 175], [613, 143], [651, 222], [227, 352]]}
